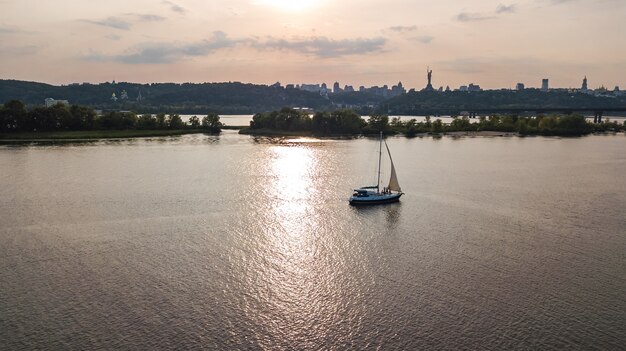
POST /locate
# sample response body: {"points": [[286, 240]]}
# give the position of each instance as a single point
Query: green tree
{"points": [[13, 116], [118, 120], [428, 123], [521, 126], [147, 121], [175, 122], [574, 125], [64, 118], [212, 123], [437, 127], [547, 124], [83, 118], [161, 121], [411, 128], [376, 124], [337, 122], [194, 121]]}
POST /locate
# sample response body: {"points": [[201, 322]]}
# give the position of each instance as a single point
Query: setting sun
{"points": [[290, 5]]}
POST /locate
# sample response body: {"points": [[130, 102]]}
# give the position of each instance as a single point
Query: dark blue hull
{"points": [[375, 200]]}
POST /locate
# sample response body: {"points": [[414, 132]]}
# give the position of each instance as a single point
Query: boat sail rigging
{"points": [[393, 180], [391, 193]]}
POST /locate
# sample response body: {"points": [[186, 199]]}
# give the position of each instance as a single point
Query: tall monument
{"points": [[584, 86], [429, 73]]}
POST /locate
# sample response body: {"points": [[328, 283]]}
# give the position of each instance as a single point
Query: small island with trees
{"points": [[81, 122], [289, 121]]}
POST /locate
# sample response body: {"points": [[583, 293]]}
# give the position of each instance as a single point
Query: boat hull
{"points": [[375, 199]]}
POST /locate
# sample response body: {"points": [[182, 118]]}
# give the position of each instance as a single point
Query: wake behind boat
{"points": [[371, 195]]}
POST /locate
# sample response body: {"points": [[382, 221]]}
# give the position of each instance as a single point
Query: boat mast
{"points": [[380, 154]]}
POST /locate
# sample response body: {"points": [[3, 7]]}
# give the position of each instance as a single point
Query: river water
{"points": [[235, 242]]}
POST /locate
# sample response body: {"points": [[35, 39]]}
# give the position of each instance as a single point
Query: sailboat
{"points": [[372, 195]]}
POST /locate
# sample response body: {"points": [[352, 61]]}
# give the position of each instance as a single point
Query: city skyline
{"points": [[490, 43]]}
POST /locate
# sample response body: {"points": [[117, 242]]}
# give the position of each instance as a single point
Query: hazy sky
{"points": [[366, 42]]}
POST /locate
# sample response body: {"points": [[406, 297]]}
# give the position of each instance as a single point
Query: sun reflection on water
{"points": [[291, 279]]}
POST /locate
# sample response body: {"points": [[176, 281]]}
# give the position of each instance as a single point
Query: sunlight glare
{"points": [[289, 5]]}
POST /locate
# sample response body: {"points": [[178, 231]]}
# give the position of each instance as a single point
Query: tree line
{"points": [[15, 117], [322, 123], [348, 122], [562, 125]]}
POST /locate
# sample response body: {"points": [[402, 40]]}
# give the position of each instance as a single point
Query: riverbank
{"points": [[273, 132], [95, 134]]}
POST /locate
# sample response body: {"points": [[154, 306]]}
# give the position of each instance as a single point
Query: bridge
{"points": [[598, 112]]}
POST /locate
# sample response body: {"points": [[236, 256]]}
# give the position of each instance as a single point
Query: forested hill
{"points": [[240, 98], [180, 98]]}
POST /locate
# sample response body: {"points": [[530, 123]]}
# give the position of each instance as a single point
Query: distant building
{"points": [[124, 95], [276, 85], [463, 88], [139, 97], [313, 88], [519, 86], [290, 86], [448, 89], [113, 97], [336, 88], [473, 87], [397, 89], [583, 87], [324, 90], [544, 85], [348, 89], [49, 102]]}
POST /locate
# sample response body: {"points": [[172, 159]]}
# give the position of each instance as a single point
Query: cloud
{"points": [[472, 17], [13, 30], [113, 37], [161, 53], [19, 50], [112, 22], [324, 47], [8, 30], [506, 9], [175, 7], [424, 39], [150, 18], [409, 33], [403, 29], [477, 17], [124, 24]]}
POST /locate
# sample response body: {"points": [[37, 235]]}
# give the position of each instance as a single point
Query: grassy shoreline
{"points": [[95, 134], [273, 132]]}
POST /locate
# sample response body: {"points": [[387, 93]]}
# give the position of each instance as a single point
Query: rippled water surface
{"points": [[235, 242]]}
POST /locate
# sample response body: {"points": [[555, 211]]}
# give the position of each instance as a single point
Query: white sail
{"points": [[393, 180]]}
